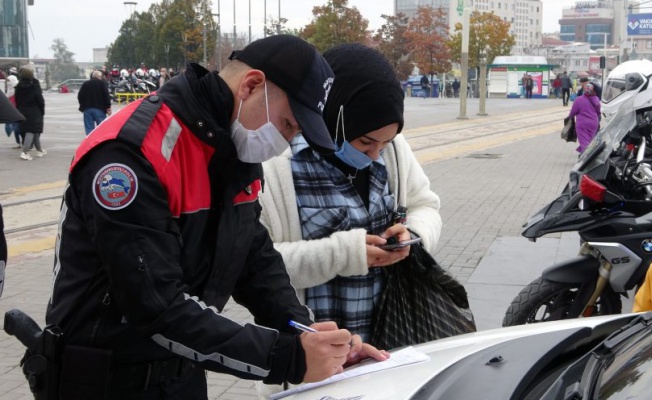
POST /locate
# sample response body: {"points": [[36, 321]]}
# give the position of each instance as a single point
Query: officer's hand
{"points": [[326, 351], [361, 351]]}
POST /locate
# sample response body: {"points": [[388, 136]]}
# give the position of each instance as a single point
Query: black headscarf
{"points": [[366, 85]]}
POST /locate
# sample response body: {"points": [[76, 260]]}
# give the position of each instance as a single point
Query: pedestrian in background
{"points": [[94, 101], [596, 88], [13, 127], [556, 86], [529, 85], [524, 84], [456, 88], [164, 77], [566, 87], [425, 86], [586, 111], [30, 103]]}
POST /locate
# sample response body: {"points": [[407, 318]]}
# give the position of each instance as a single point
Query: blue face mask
{"points": [[347, 153]]}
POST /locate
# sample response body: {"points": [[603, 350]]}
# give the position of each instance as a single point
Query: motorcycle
{"points": [[608, 201]]}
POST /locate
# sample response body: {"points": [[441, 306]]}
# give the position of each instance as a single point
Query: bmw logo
{"points": [[647, 245]]}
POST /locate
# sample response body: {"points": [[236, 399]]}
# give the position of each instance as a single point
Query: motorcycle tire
{"points": [[544, 300]]}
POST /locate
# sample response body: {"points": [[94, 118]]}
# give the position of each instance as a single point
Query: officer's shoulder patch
{"points": [[115, 186]]}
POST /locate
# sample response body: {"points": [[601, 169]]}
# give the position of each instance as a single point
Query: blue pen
{"points": [[305, 328], [301, 327]]}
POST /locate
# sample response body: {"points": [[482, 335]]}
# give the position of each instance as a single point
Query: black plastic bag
{"points": [[568, 132], [421, 302]]}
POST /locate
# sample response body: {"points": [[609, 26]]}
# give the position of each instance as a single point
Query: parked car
{"points": [[606, 357]]}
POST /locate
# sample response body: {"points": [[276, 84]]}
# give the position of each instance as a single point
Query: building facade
{"points": [[14, 44], [598, 20], [525, 16]]}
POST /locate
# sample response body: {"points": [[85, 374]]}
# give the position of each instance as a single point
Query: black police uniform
{"points": [[159, 227]]}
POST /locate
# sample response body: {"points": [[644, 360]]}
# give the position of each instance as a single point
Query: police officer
{"points": [[160, 226]]}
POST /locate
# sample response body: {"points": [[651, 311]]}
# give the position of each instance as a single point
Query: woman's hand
{"points": [[377, 257]]}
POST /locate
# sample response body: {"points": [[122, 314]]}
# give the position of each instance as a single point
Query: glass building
{"points": [[13, 30]]}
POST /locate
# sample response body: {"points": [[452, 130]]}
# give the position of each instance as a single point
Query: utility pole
{"points": [[219, 37], [131, 6], [204, 34], [465, 60], [483, 83], [234, 33], [278, 27]]}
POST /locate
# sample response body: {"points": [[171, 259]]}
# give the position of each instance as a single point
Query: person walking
{"points": [[94, 101], [566, 87], [13, 127], [556, 85], [596, 87], [160, 227], [456, 88], [586, 111], [529, 85], [425, 86], [164, 77], [30, 103]]}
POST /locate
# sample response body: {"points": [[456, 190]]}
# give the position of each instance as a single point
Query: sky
{"points": [[87, 24]]}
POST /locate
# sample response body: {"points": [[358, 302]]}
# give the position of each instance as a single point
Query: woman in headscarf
{"points": [[29, 101], [329, 213], [586, 111]]}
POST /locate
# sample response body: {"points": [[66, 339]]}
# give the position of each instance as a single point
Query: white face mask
{"points": [[256, 146]]}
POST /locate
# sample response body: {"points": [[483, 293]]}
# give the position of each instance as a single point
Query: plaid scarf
{"points": [[327, 203]]}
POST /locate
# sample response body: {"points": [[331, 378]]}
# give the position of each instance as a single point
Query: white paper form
{"points": [[408, 355]]}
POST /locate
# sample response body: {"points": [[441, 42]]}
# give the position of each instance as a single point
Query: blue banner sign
{"points": [[639, 24]]}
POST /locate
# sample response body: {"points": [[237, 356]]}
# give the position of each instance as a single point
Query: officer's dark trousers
{"points": [[190, 386]]}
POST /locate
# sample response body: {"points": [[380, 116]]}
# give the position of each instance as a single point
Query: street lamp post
{"points": [[483, 84], [184, 36], [219, 37], [465, 60], [167, 55], [131, 6]]}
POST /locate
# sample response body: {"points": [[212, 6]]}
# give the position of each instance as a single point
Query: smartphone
{"points": [[400, 244]]}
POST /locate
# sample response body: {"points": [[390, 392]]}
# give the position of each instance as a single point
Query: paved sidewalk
{"points": [[488, 187]]}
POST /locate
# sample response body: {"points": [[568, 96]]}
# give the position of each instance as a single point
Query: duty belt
{"points": [[144, 376]]}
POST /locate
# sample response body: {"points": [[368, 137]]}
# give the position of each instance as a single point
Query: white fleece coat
{"points": [[313, 262]]}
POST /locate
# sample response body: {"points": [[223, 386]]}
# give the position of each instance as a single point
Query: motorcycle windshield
{"points": [[609, 138]]}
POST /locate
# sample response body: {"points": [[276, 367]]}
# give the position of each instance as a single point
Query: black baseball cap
{"points": [[295, 66]]}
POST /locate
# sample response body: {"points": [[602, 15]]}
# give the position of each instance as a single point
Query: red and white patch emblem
{"points": [[115, 186]]}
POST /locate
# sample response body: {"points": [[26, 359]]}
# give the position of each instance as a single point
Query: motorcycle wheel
{"points": [[544, 300]]}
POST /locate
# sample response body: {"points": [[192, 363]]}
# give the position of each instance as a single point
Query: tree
{"points": [[333, 24], [488, 33], [427, 37], [64, 66], [144, 37], [393, 44], [277, 27]]}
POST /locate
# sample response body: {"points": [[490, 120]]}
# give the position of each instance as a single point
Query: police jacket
{"points": [[159, 226]]}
